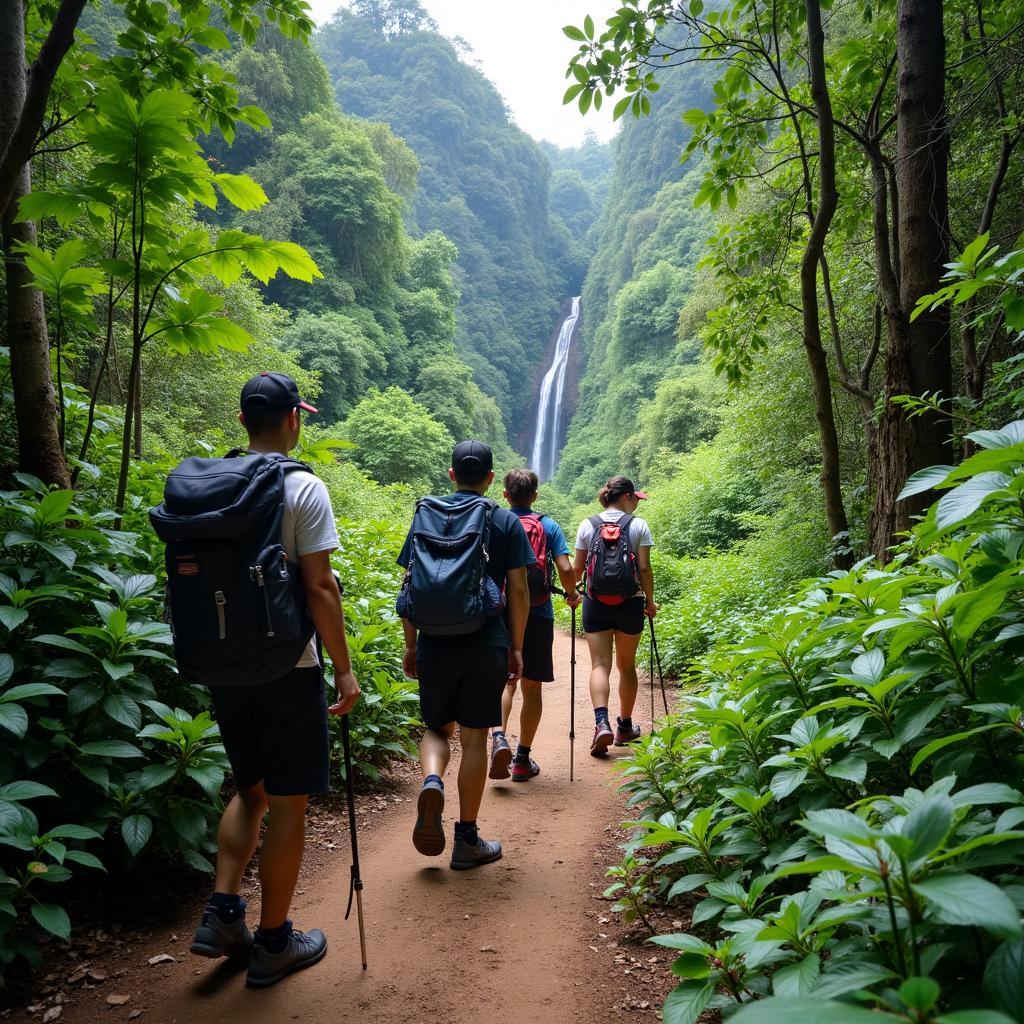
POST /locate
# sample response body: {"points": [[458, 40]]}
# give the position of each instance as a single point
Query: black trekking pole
{"points": [[650, 671], [656, 660], [572, 698], [355, 888]]}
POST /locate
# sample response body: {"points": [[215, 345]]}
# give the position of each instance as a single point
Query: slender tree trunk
{"points": [[35, 407], [831, 480], [918, 357]]}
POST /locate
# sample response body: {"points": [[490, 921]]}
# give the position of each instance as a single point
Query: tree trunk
{"points": [[831, 481], [918, 357], [35, 407]]}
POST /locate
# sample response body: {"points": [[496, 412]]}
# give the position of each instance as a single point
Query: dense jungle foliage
{"points": [[802, 314]]}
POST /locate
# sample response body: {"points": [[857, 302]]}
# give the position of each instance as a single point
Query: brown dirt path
{"points": [[513, 939]]}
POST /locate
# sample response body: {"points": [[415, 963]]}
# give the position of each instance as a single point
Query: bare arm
{"points": [[409, 658], [324, 604], [517, 599], [567, 577], [646, 574], [580, 563]]}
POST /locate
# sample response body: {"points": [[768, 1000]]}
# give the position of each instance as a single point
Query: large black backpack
{"points": [[611, 568], [447, 590], [237, 606]]}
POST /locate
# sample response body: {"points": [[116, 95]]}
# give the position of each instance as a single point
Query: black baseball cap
{"points": [[273, 392], [472, 460]]}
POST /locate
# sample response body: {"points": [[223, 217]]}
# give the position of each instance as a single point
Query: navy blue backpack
{"points": [[447, 590], [236, 605]]}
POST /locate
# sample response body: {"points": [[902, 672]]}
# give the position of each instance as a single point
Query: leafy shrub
{"points": [[843, 791]]}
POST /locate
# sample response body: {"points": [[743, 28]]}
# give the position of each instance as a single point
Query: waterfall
{"points": [[549, 409]]}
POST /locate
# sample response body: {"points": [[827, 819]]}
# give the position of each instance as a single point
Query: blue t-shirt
{"points": [[508, 549], [557, 545]]}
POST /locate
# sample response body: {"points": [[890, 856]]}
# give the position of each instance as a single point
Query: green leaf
{"points": [[14, 718], [24, 790], [801, 1010], [154, 775], [12, 618], [61, 641], [686, 1002], [574, 33], [1004, 978], [969, 900], [956, 505], [53, 919], [73, 832], [26, 690], [944, 741], [241, 191], [123, 709], [920, 993], [850, 977], [110, 748], [87, 860], [927, 825], [974, 1017], [136, 831], [797, 979]]}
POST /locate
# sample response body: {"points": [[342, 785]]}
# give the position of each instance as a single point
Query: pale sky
{"points": [[521, 49]]}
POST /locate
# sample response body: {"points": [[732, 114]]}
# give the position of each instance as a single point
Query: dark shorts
{"points": [[463, 686], [277, 733], [537, 661], [627, 617]]}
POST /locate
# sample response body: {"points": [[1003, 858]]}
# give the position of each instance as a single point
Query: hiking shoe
{"points": [[501, 757], [523, 771], [216, 937], [428, 832], [301, 951], [624, 736], [602, 740], [465, 856]]}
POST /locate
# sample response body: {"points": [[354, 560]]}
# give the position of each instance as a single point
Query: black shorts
{"points": [[464, 685], [276, 733], [537, 661], [627, 617]]}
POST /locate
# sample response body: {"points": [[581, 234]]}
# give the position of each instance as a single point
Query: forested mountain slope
{"points": [[482, 181]]}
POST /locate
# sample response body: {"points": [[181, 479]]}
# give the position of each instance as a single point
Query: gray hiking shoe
{"points": [[302, 950], [216, 937], [501, 757], [465, 856], [428, 832]]}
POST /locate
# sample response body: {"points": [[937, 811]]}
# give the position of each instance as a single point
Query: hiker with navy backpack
{"points": [[249, 584], [613, 556], [464, 602], [551, 555]]}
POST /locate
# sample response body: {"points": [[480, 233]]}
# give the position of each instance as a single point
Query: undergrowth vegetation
{"points": [[841, 789]]}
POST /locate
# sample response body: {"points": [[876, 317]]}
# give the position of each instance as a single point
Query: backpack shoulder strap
{"points": [[625, 521], [596, 521]]}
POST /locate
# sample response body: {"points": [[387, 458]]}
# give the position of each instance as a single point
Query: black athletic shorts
{"points": [[537, 661], [627, 617], [463, 685], [277, 732]]}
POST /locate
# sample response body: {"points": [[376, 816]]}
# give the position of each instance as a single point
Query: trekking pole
{"points": [[355, 887], [650, 670], [656, 660], [572, 698]]}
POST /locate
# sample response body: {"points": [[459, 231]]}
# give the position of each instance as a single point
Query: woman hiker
{"points": [[613, 554]]}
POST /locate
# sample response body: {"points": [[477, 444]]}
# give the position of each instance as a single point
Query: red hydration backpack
{"points": [[538, 575], [611, 571]]}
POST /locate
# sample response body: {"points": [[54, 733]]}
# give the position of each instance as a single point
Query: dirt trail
{"points": [[510, 939]]}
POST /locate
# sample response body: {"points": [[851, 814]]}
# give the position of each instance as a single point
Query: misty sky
{"points": [[521, 49]]}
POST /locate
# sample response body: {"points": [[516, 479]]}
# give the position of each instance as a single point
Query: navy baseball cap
{"points": [[273, 392], [472, 459]]}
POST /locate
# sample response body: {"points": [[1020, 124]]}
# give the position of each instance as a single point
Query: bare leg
{"points": [[600, 645], [625, 661], [533, 708], [435, 752], [237, 837], [281, 857], [507, 696], [472, 771]]}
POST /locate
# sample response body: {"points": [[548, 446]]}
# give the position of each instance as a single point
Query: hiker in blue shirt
{"points": [[551, 551]]}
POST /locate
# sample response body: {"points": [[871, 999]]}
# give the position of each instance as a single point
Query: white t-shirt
{"points": [[639, 531], [307, 527]]}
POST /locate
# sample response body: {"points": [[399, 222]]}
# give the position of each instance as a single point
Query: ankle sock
{"points": [[523, 754], [626, 724], [495, 733], [466, 831], [600, 715], [436, 778], [229, 906], [274, 940]]}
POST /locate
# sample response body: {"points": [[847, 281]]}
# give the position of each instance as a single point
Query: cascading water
{"points": [[549, 409]]}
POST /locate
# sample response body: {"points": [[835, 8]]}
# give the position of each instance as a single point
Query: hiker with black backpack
{"points": [[613, 555], [464, 602], [249, 582], [551, 554]]}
